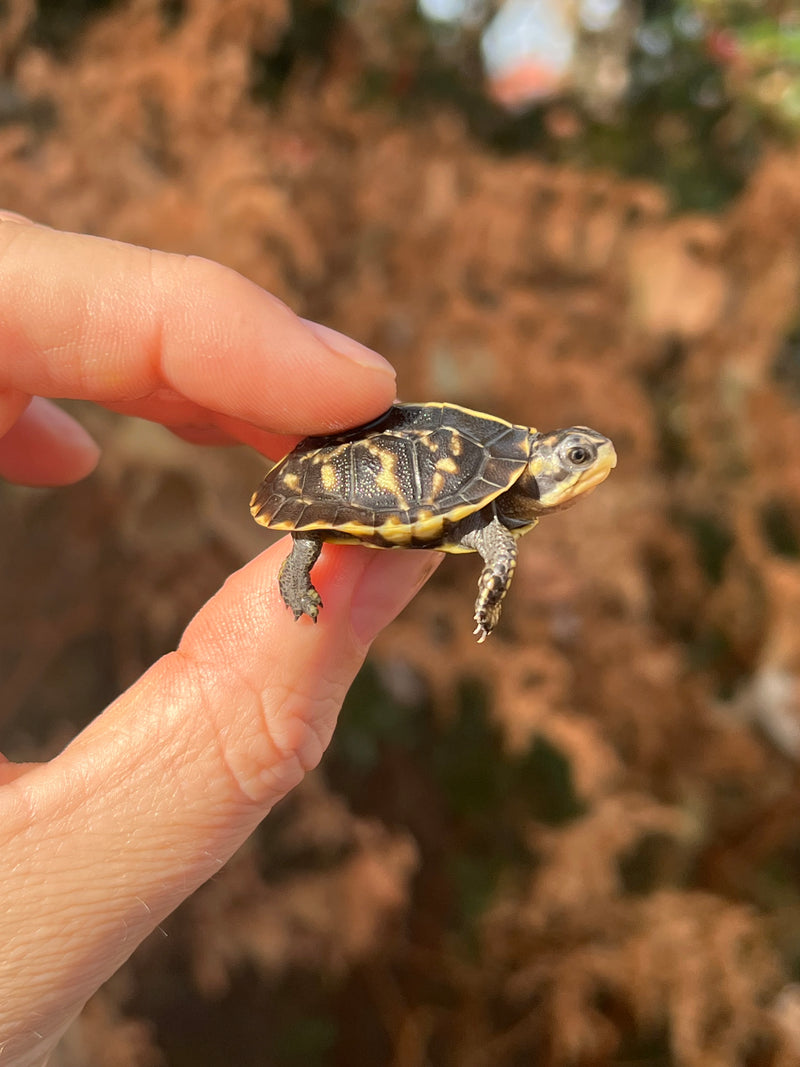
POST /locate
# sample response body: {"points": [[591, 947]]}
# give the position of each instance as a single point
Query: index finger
{"points": [[175, 338]]}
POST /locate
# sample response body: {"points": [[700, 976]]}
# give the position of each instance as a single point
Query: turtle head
{"points": [[565, 465]]}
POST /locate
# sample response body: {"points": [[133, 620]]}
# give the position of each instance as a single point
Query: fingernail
{"points": [[12, 404], [386, 585], [350, 349]]}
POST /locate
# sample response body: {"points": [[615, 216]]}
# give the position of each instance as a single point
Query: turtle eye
{"points": [[582, 455]]}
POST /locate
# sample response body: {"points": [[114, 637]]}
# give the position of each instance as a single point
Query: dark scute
{"points": [[313, 486], [265, 502], [346, 514], [290, 510]]}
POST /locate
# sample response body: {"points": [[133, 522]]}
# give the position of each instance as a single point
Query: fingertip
{"points": [[383, 587], [46, 447], [129, 327], [252, 358]]}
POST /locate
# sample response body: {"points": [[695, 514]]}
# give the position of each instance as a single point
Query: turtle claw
{"points": [[311, 603], [486, 619], [301, 598], [307, 603]]}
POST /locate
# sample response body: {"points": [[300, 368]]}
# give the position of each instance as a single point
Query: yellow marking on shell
{"points": [[339, 537], [284, 524], [455, 445], [448, 464], [438, 484], [386, 479], [393, 531], [482, 415], [428, 527], [330, 453], [291, 480], [328, 476], [358, 530]]}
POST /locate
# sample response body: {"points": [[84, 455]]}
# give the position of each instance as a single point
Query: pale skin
{"points": [[102, 842]]}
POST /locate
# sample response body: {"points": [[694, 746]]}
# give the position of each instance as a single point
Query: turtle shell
{"points": [[400, 481]]}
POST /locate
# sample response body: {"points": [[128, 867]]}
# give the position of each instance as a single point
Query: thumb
{"points": [[152, 798]]}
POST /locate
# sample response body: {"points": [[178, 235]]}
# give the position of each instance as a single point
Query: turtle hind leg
{"points": [[498, 548], [294, 577]]}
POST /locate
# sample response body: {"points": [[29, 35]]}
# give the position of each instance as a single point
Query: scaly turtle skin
{"points": [[426, 476]]}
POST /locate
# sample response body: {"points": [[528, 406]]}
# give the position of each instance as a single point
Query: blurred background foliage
{"points": [[686, 92], [580, 843]]}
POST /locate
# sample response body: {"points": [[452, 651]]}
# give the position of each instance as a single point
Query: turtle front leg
{"points": [[294, 577], [498, 548]]}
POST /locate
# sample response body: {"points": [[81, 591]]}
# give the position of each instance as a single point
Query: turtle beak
{"points": [[604, 465]]}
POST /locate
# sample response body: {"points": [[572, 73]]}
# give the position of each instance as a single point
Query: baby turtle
{"points": [[427, 476]]}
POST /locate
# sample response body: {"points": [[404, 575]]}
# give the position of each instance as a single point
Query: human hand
{"points": [[102, 842]]}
